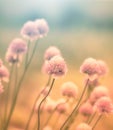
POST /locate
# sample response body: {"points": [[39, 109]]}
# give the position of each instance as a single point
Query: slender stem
{"points": [[27, 54], [8, 93], [43, 101], [32, 111], [97, 122], [18, 88], [91, 119], [56, 121], [74, 110]]}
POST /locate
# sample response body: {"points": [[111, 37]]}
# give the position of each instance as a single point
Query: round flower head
{"points": [[62, 107], [103, 69], [50, 105], [47, 128], [83, 126], [50, 52], [90, 67], [97, 93], [18, 46], [4, 73], [104, 105], [69, 89], [86, 109], [30, 31], [42, 27], [11, 58], [56, 66]]}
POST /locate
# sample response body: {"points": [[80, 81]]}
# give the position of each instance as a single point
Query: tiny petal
{"points": [[69, 89]]}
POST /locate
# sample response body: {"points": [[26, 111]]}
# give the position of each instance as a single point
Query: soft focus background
{"points": [[79, 28]]}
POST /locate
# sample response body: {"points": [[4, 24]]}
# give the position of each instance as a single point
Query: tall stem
{"points": [[32, 111], [77, 105], [43, 101], [27, 54], [97, 122], [91, 119], [18, 87]]}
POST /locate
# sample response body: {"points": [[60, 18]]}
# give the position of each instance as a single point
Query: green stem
{"points": [[91, 119], [32, 111], [77, 105], [97, 121], [27, 54], [18, 87], [8, 93], [42, 102]]}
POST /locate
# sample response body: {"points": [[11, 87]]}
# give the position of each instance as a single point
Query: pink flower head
{"points": [[104, 105], [50, 52], [90, 67], [50, 105], [11, 58], [62, 106], [86, 109], [18, 46], [47, 128], [30, 31], [42, 27], [97, 93], [1, 88], [103, 69], [4, 73], [69, 89], [56, 66], [83, 126]]}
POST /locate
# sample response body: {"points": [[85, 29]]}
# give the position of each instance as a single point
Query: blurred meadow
{"points": [[79, 28]]}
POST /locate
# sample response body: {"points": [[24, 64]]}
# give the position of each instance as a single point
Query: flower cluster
{"points": [[91, 104]]}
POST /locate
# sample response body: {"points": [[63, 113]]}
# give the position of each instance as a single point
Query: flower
{"points": [[18, 46], [29, 31], [97, 93], [93, 68], [50, 52], [83, 126], [103, 69], [47, 128], [104, 105], [4, 73], [69, 89], [56, 66], [42, 27], [50, 105], [86, 109], [12, 58]]}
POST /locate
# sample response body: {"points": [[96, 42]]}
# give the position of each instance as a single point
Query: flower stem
{"points": [[18, 88], [90, 119], [43, 101], [77, 105], [97, 122]]}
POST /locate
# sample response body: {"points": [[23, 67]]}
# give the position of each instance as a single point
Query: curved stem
{"points": [[97, 122], [32, 111], [42, 102], [74, 110]]}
